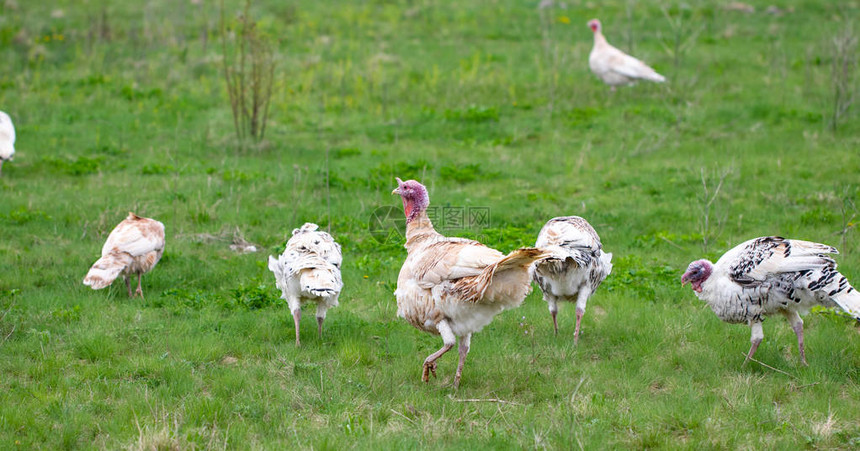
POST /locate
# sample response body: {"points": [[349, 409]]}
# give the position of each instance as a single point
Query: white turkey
{"points": [[615, 67], [576, 268], [453, 287], [134, 246], [309, 272], [7, 139], [772, 275]]}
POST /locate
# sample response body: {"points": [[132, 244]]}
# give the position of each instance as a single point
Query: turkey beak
{"points": [[399, 184], [396, 191], [684, 280]]}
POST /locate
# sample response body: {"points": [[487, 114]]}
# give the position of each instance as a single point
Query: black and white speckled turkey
{"points": [[772, 275], [577, 267], [309, 272]]}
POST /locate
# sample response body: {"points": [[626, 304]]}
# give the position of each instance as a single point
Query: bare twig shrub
{"points": [[843, 74], [249, 69], [712, 184]]}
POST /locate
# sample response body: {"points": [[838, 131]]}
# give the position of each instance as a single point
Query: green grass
{"points": [[121, 106]]}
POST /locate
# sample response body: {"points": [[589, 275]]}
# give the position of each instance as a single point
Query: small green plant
{"points": [[156, 169], [465, 173], [473, 113], [193, 299], [254, 297], [77, 166], [24, 215], [383, 174], [345, 152], [68, 314]]}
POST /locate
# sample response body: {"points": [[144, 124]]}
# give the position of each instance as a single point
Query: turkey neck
{"points": [[418, 231], [599, 40]]}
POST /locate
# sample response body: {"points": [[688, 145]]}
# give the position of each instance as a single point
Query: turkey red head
{"points": [[697, 273], [594, 24], [414, 196]]}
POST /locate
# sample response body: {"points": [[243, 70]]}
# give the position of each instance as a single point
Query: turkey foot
{"points": [[430, 362], [139, 291]]}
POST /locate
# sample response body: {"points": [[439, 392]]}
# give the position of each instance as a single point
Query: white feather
{"points": [[7, 137]]}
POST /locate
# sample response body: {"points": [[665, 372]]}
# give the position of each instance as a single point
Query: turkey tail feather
{"points": [[520, 258], [654, 76], [849, 300], [606, 259], [482, 287], [319, 281], [106, 269]]}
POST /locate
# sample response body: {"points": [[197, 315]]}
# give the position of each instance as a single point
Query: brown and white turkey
{"points": [[576, 268], [451, 286], [772, 275], [7, 139], [308, 271], [134, 246]]}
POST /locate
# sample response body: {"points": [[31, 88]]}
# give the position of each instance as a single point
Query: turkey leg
{"points": [[581, 299], [464, 351], [297, 317], [139, 292], [553, 310], [579, 314], [797, 324], [430, 362], [755, 339]]}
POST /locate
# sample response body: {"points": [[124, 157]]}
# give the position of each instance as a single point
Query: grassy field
{"points": [[121, 106]]}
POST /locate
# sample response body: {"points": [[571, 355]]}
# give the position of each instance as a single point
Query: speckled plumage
{"points": [[134, 246], [772, 275], [576, 268], [308, 271]]}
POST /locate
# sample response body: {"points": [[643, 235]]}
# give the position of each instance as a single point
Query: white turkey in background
{"points": [[615, 67], [7, 139], [772, 275], [575, 270], [309, 272], [134, 246]]}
